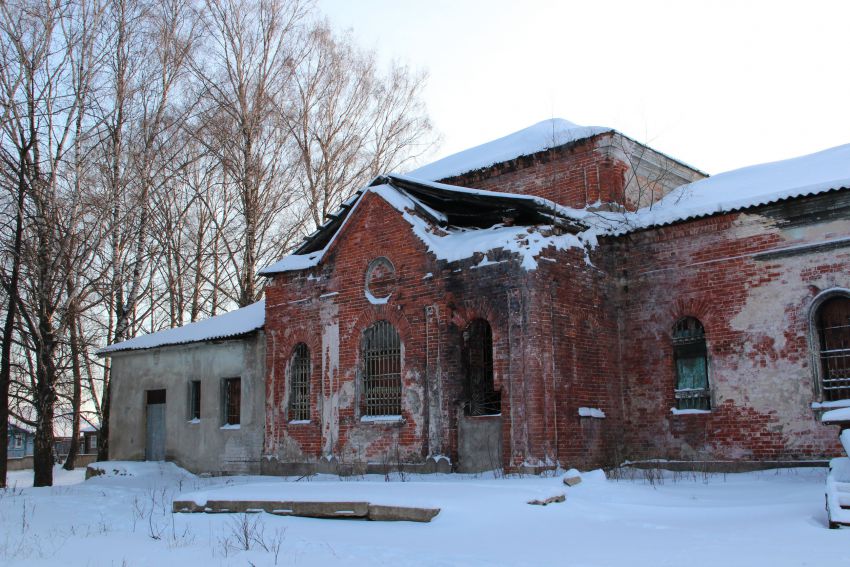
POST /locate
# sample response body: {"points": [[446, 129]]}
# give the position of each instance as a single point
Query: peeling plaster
{"points": [[331, 393]]}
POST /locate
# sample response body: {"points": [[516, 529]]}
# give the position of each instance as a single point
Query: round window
{"points": [[380, 280]]}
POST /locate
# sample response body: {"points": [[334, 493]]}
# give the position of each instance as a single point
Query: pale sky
{"points": [[718, 85]]}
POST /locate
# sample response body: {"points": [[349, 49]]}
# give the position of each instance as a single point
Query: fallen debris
{"points": [[550, 500], [326, 510], [572, 478]]}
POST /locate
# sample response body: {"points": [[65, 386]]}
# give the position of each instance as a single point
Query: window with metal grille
{"points": [[232, 401], [481, 396], [691, 362], [833, 327], [381, 350], [194, 399], [299, 384]]}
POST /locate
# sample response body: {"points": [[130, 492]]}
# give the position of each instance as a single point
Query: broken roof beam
{"points": [[471, 203]]}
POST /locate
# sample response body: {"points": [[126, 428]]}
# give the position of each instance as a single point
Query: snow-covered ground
{"points": [[653, 519]]}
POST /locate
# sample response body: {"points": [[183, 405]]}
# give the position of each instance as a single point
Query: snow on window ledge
{"points": [[837, 414], [381, 419], [830, 405], [300, 422], [230, 426], [194, 420], [677, 411], [591, 412]]}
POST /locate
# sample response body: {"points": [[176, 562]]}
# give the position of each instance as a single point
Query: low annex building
{"points": [[193, 394], [563, 295]]}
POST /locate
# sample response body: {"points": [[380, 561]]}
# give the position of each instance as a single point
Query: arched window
{"points": [[299, 383], [690, 357], [481, 396], [832, 320], [382, 370]]}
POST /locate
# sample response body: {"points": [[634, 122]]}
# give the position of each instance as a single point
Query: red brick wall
{"points": [[573, 344], [429, 311], [756, 317], [574, 175], [608, 168], [579, 331]]}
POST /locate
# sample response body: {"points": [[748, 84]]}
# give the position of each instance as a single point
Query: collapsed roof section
{"points": [[461, 210], [482, 220]]}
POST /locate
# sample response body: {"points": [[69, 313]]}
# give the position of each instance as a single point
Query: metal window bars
{"points": [[834, 337], [691, 365], [481, 396], [382, 370], [693, 398], [299, 384]]}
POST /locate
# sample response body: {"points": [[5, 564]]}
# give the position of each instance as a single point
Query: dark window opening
{"points": [[382, 370], [195, 399], [155, 396], [232, 401], [299, 384], [691, 361], [479, 391], [833, 326]]}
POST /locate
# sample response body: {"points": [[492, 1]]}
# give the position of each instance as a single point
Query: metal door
{"points": [[155, 429]]}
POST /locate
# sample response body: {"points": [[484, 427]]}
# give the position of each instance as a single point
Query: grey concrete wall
{"points": [[201, 446]]}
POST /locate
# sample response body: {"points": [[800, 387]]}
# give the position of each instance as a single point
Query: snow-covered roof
{"points": [[750, 186], [232, 324], [537, 138], [457, 243], [452, 207], [20, 428], [426, 205]]}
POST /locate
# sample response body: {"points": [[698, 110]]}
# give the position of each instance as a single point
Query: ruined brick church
{"points": [[561, 296]]}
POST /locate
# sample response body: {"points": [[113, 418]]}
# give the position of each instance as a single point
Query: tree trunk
{"points": [[8, 328], [103, 433], [74, 446], [43, 457]]}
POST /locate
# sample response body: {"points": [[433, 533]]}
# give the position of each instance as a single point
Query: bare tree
{"points": [[350, 122], [47, 42], [254, 47], [143, 121], [145, 180]]}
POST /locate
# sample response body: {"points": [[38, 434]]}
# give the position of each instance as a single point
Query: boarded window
{"points": [[381, 349], [232, 401], [481, 396], [833, 326], [195, 399], [299, 384], [691, 363]]}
